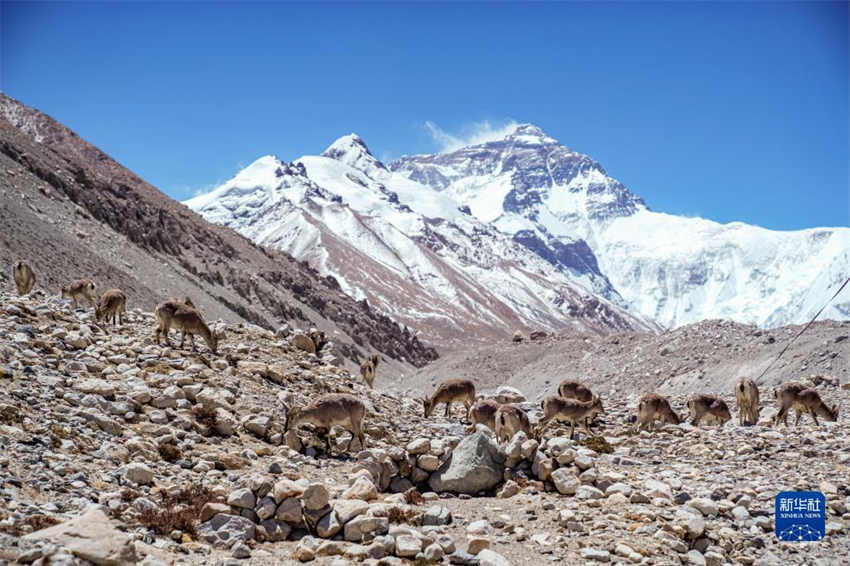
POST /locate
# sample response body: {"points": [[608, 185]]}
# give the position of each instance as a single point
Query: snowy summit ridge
{"points": [[522, 231]]}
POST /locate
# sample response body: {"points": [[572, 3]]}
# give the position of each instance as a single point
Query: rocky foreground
{"points": [[116, 450]]}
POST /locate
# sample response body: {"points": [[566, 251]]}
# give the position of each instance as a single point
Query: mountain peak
{"points": [[352, 150], [529, 133]]}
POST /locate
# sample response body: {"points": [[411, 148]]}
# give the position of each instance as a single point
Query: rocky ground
{"points": [[708, 357], [117, 450]]}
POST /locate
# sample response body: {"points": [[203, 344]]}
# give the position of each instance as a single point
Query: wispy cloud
{"points": [[205, 189], [470, 134]]}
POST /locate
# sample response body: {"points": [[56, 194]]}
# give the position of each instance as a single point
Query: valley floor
{"points": [[112, 419]]}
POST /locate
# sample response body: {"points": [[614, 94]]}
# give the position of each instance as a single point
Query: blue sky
{"points": [[729, 111]]}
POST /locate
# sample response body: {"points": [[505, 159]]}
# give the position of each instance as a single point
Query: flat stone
{"points": [[565, 481], [437, 515], [242, 498], [488, 557], [598, 555], [225, 530], [315, 496], [407, 546], [90, 537], [138, 473]]}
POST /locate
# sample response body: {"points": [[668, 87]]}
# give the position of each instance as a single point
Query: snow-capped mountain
{"points": [[413, 252], [671, 269]]}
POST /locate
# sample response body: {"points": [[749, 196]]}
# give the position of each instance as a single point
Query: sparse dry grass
{"points": [[396, 514], [36, 522], [177, 511], [170, 452], [207, 418], [413, 497], [597, 444]]}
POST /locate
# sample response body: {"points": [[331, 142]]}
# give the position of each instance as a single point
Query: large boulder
{"points": [[90, 537], [225, 530], [303, 342], [476, 464]]}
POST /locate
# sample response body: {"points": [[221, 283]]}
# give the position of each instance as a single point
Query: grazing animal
{"points": [[571, 389], [80, 289], [510, 419], [330, 410], [803, 399], [652, 407], [318, 338], [710, 407], [568, 410], [187, 320], [24, 277], [747, 396], [187, 301], [484, 412], [369, 367], [448, 392], [112, 306]]}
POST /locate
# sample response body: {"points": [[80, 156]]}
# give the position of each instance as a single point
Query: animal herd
{"points": [[574, 403], [171, 313]]}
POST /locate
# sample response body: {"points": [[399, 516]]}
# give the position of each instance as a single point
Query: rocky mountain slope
{"points": [[73, 212], [670, 269], [708, 356], [411, 252], [116, 450]]}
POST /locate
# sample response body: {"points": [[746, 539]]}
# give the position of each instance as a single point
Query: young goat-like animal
{"points": [[330, 410], [24, 277], [484, 412], [803, 399], [187, 320], [78, 290], [568, 410], [187, 301], [369, 367], [709, 407], [112, 306], [652, 407], [747, 396], [448, 392], [510, 419], [571, 389]]}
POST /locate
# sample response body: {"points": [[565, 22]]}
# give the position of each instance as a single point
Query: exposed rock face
{"points": [[476, 464]]}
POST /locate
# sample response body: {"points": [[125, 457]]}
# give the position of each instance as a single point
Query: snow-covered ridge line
{"points": [[410, 251], [671, 269], [522, 231]]}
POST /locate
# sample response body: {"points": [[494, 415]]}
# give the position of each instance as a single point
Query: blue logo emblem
{"points": [[800, 516]]}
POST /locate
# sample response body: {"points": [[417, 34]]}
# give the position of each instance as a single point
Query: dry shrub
{"points": [[170, 452], [179, 510], [159, 368], [597, 444], [206, 417], [396, 514], [413, 497]]}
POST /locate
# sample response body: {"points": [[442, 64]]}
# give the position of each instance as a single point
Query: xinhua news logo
{"points": [[800, 516]]}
